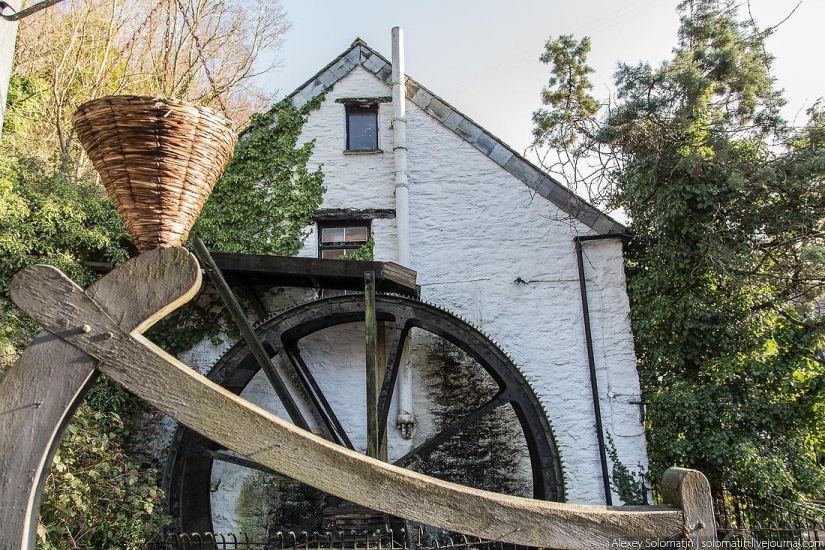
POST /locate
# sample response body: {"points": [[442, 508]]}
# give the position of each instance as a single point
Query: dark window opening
{"points": [[362, 128]]}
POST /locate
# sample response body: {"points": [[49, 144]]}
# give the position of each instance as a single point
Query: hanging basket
{"points": [[159, 160]]}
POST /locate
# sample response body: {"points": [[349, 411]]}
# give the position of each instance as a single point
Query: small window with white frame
{"points": [[338, 238]]}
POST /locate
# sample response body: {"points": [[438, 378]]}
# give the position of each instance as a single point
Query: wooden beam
{"points": [[249, 336], [349, 214], [314, 272], [181, 392], [381, 371], [371, 341]]}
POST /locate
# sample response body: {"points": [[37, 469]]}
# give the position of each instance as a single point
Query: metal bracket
{"points": [[22, 14]]}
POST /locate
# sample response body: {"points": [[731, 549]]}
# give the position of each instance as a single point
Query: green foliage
{"points": [[727, 269], [47, 219], [629, 484], [267, 181], [95, 496], [567, 91], [364, 252]]}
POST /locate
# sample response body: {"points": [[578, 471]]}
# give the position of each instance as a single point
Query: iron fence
{"points": [[418, 539], [771, 523]]}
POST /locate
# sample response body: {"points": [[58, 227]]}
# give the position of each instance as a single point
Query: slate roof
{"points": [[463, 126]]}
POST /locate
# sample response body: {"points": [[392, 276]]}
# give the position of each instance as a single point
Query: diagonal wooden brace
{"points": [[175, 389]]}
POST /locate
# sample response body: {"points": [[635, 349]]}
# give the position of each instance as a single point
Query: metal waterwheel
{"points": [[189, 475]]}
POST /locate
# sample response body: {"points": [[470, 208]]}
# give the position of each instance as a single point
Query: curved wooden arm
{"points": [[41, 391]]}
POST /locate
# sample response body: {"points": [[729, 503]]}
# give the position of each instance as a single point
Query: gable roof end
{"points": [[463, 126]]}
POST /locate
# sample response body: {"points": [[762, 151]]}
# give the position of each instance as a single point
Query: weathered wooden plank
{"points": [[380, 361], [349, 214], [249, 336], [47, 295], [40, 392]]}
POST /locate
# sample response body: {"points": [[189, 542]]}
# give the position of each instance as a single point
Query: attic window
{"points": [[362, 128]]}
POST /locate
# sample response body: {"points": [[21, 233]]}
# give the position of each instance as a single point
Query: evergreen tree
{"points": [[726, 270]]}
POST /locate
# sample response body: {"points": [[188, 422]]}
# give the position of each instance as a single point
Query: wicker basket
{"points": [[159, 160]]}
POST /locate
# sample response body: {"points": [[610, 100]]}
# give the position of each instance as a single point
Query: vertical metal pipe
{"points": [[402, 211], [594, 386], [399, 147]]}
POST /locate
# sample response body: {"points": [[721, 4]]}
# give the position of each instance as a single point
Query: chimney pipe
{"points": [[399, 147]]}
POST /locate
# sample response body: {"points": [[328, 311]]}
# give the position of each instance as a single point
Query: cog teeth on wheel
{"points": [[396, 304]]}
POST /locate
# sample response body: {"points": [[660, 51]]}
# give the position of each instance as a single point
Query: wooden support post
{"points": [[371, 338], [381, 372], [255, 345], [690, 491]]}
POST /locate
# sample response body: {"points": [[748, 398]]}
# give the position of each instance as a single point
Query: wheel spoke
{"points": [[320, 405], [395, 352], [237, 460], [190, 477], [428, 446]]}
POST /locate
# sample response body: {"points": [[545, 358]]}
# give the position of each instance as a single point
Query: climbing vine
{"points": [[629, 484], [364, 252], [266, 197], [262, 204]]}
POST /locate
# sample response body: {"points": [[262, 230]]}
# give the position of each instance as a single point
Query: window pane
{"points": [[332, 235], [356, 234], [362, 131], [333, 253]]}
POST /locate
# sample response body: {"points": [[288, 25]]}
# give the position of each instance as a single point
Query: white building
{"points": [[491, 238]]}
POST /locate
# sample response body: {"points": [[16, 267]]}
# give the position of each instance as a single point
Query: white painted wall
{"points": [[475, 229]]}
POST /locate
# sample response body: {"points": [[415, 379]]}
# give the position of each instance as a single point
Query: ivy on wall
{"points": [[266, 197], [262, 204]]}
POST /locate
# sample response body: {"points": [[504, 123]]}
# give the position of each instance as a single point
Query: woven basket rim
{"points": [[150, 102]]}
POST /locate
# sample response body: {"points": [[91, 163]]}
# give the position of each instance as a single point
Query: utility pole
{"points": [[8, 36], [10, 14]]}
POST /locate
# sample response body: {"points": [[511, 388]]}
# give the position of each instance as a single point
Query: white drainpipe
{"points": [[406, 419], [399, 147]]}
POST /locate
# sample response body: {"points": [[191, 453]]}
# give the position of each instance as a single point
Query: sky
{"points": [[482, 55]]}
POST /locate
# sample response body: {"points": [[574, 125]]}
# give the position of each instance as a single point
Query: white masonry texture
{"points": [[475, 230]]}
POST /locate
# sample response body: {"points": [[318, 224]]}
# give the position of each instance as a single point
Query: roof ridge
{"points": [[359, 53]]}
